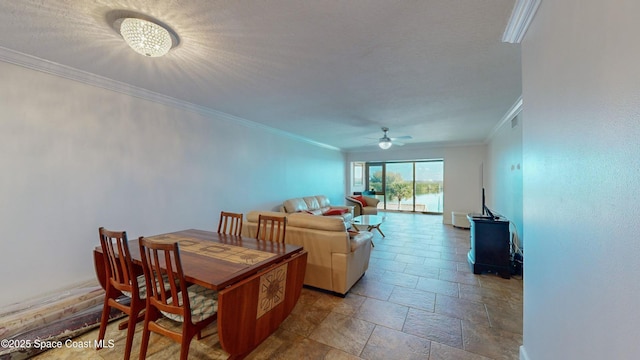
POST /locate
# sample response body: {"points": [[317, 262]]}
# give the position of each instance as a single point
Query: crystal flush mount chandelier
{"points": [[145, 37]]}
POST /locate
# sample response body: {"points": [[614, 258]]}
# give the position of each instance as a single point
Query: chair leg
{"points": [[145, 336], [184, 346], [103, 320], [131, 330]]}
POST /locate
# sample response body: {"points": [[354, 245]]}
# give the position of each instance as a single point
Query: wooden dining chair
{"points": [[271, 228], [121, 280], [194, 306], [230, 223]]}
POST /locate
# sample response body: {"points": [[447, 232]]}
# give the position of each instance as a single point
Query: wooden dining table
{"points": [[258, 282]]}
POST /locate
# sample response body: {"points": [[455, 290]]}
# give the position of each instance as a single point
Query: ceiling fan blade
{"points": [[405, 137], [393, 140]]}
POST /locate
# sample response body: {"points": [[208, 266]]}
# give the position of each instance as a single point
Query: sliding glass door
{"points": [[429, 186], [407, 185], [399, 186]]}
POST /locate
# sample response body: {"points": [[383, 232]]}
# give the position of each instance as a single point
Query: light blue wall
{"points": [[581, 155], [503, 174], [75, 157]]}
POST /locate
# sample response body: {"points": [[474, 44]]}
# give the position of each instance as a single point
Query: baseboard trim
{"points": [[523, 353]]}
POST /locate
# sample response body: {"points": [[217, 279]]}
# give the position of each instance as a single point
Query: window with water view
{"points": [[407, 186]]}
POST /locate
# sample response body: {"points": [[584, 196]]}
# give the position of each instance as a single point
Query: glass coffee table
{"points": [[370, 221]]}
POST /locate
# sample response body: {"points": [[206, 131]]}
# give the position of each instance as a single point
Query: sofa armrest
{"points": [[357, 207], [371, 201], [360, 239]]}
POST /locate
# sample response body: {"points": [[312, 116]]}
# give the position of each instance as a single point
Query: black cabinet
{"points": [[490, 246]]}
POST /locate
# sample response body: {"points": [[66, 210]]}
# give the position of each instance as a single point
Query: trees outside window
{"points": [[407, 186]]}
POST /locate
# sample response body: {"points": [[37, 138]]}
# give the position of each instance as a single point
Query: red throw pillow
{"points": [[360, 199], [333, 211]]}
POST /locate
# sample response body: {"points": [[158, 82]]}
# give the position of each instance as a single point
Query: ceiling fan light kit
{"points": [[384, 143]]}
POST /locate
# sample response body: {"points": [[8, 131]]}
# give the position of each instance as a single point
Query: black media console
{"points": [[490, 245]]}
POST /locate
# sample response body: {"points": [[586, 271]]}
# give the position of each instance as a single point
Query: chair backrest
{"points": [[115, 250], [162, 267], [230, 223], [271, 228]]}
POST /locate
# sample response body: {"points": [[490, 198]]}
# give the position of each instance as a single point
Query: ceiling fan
{"points": [[385, 141]]}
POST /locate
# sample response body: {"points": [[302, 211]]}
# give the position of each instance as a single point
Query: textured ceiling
{"points": [[330, 71]]}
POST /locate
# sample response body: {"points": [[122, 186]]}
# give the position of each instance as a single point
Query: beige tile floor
{"points": [[418, 300]]}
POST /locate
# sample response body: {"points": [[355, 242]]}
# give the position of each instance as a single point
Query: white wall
{"points": [[503, 174], [581, 155], [74, 157], [462, 171]]}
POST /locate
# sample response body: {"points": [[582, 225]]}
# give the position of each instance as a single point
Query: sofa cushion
{"points": [[316, 222], [296, 205], [323, 201], [316, 205], [312, 202]]}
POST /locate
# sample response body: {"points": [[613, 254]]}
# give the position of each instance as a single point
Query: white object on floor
{"points": [[459, 219]]}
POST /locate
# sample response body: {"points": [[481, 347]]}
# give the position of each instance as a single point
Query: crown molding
{"points": [[523, 13], [70, 73], [515, 109]]}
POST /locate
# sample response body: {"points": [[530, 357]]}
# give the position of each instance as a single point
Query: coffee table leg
{"points": [[377, 228]]}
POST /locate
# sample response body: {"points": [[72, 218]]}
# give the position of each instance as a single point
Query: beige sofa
{"points": [[363, 205], [336, 258], [317, 205]]}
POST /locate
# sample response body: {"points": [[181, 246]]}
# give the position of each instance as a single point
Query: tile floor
{"points": [[418, 300]]}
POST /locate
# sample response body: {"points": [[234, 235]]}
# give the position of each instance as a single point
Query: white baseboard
{"points": [[523, 353]]}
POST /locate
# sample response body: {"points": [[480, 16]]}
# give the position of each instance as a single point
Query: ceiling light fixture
{"points": [[384, 143], [145, 37]]}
